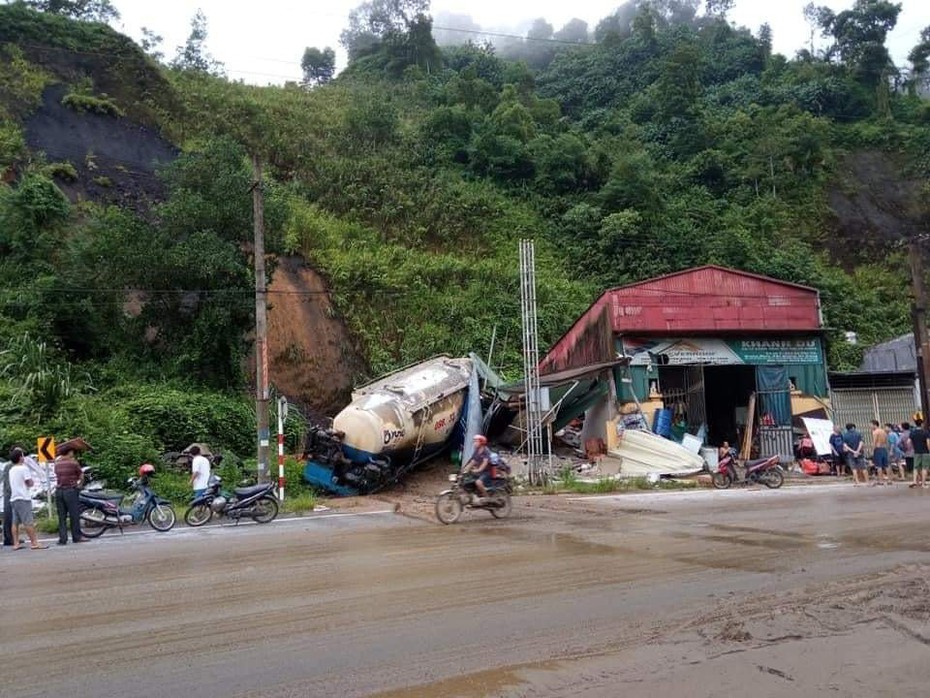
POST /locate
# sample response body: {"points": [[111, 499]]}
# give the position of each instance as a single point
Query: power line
{"points": [[296, 61], [31, 293]]}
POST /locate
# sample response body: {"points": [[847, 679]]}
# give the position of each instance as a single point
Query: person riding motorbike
{"points": [[480, 466]]}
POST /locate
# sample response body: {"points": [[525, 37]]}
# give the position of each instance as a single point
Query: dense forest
{"points": [[663, 138]]}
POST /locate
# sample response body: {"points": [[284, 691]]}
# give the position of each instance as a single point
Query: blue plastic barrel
{"points": [[662, 422]]}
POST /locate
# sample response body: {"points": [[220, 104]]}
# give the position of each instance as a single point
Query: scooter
{"points": [[102, 510], [257, 502], [762, 471]]}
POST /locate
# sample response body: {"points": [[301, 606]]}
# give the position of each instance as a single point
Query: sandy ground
{"points": [[415, 496], [805, 591]]}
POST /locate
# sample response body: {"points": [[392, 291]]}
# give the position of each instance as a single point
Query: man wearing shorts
{"points": [[21, 501], [852, 446], [880, 454], [921, 454]]}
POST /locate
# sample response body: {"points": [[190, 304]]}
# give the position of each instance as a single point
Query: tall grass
{"points": [[300, 503]]}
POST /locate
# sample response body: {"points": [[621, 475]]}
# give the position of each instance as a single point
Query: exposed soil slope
{"points": [[115, 158], [873, 203], [312, 359]]}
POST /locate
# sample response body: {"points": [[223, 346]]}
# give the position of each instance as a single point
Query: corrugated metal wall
{"points": [[861, 405]]}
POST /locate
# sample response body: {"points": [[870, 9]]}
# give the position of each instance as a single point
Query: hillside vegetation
{"points": [[674, 139]]}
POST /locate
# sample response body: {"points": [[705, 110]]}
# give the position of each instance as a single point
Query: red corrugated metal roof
{"points": [[704, 300]]}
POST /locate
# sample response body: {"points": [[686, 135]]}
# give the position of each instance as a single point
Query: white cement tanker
{"points": [[394, 423]]}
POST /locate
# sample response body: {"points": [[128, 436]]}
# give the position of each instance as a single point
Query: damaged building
{"points": [[726, 354]]}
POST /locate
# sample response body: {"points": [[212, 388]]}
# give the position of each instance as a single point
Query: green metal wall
{"points": [[639, 386], [810, 379]]}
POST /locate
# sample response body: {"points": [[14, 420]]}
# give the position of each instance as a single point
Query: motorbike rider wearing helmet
{"points": [[480, 464]]}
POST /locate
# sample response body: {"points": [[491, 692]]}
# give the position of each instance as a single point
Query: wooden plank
{"points": [[747, 437]]}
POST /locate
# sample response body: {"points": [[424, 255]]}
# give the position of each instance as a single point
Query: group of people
{"points": [[20, 476], [18, 479], [894, 446]]}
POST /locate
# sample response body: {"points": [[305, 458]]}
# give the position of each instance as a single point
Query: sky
{"points": [[263, 42]]}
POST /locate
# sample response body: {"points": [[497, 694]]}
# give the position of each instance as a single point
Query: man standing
{"points": [[906, 446], [880, 454], [838, 451], [21, 500], [895, 456], [7, 508], [200, 471], [921, 453], [852, 446], [68, 475]]}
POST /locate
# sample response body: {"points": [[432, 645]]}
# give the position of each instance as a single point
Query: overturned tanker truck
{"points": [[392, 425]]}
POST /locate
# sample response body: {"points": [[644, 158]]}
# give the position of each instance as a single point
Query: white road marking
{"points": [[189, 530]]}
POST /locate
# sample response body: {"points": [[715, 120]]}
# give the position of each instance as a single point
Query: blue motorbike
{"points": [[102, 510]]}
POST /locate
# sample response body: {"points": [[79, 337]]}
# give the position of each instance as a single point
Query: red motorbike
{"points": [[762, 471]]}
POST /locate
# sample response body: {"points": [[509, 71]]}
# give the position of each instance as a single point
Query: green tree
{"points": [[540, 30], [677, 12], [859, 37], [919, 58], [318, 66], [151, 44], [378, 20], [678, 92], [718, 8], [575, 31], [620, 23], [32, 217], [765, 40], [193, 55], [83, 10]]}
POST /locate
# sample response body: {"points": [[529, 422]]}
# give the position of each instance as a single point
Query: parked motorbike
{"points": [[257, 502], [464, 495], [102, 510], [762, 471]]}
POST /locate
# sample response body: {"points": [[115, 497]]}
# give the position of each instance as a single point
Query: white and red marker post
{"points": [[282, 415]]}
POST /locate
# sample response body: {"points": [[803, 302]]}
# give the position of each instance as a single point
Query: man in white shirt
{"points": [[21, 500], [200, 471]]}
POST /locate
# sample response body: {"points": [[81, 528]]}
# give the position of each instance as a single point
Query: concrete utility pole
{"points": [[921, 338], [261, 320]]}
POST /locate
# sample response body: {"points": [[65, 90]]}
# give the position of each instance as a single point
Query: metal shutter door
{"points": [[862, 405]]}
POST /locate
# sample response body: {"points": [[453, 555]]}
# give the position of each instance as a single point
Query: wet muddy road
{"points": [[805, 591]]}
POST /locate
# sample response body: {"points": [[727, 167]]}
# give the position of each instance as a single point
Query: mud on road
{"points": [[808, 593]]}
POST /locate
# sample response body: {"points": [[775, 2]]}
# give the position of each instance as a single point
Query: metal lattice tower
{"points": [[533, 414]]}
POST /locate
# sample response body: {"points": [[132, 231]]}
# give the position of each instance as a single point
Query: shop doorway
{"points": [[683, 394], [727, 391]]}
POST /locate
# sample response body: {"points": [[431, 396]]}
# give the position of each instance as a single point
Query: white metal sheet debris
{"points": [[642, 453]]}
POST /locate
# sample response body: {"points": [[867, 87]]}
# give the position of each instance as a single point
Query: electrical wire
{"points": [[659, 292]]}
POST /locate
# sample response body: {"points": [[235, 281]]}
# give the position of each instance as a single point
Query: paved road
{"points": [[805, 591]]}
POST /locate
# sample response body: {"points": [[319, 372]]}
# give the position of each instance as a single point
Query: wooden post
{"points": [[746, 449], [261, 321]]}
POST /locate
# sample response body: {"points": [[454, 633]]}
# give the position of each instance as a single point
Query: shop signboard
{"points": [[759, 352], [708, 351]]}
